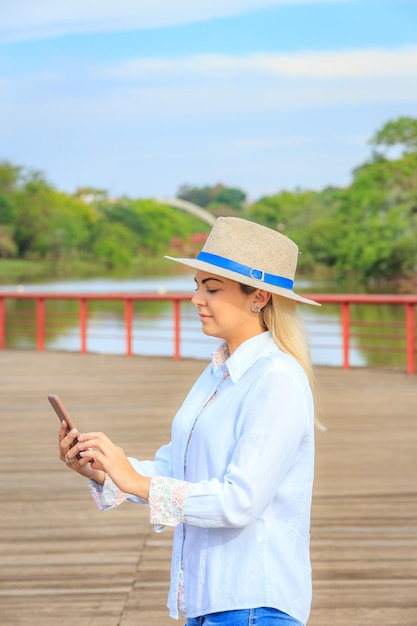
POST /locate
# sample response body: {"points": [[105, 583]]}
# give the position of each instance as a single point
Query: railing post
{"points": [[345, 333], [348, 326], [128, 325], [176, 302], [83, 324], [2, 324], [410, 337], [40, 324]]}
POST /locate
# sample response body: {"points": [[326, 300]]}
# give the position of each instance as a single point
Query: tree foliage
{"points": [[378, 220], [213, 198], [401, 132], [367, 230]]}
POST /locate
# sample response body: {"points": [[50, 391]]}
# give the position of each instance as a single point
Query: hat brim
{"points": [[245, 280]]}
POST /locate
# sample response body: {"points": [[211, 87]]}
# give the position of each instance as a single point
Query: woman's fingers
{"points": [[88, 438], [105, 455], [111, 459], [69, 454], [62, 430], [67, 444], [96, 446]]}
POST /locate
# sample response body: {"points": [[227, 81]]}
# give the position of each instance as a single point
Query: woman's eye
{"points": [[212, 290]]}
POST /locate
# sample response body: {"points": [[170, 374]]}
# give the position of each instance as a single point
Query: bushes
{"points": [[367, 230]]}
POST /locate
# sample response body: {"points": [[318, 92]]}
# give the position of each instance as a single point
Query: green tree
{"points": [[378, 220], [8, 247], [201, 196], [33, 204], [308, 217], [114, 244], [49, 223], [401, 132], [10, 181], [10, 177], [230, 196], [367, 230], [6, 210], [163, 224], [91, 195], [127, 214], [213, 197]]}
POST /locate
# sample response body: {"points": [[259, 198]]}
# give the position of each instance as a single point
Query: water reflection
{"points": [[160, 284], [153, 323]]}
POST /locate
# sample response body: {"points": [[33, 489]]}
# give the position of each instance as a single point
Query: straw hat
{"points": [[250, 254]]}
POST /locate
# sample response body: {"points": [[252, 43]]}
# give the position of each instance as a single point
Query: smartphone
{"points": [[63, 414]]}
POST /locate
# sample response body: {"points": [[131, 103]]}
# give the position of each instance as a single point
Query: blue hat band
{"points": [[245, 270]]}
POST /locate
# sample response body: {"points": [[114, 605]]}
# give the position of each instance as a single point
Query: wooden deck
{"points": [[65, 563]]}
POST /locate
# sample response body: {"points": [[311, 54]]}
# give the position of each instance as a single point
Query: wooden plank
{"points": [[64, 562], [364, 532]]}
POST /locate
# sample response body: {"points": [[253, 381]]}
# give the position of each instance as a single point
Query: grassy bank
{"points": [[17, 271], [14, 271]]}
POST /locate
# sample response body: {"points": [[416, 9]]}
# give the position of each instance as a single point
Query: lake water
{"points": [[152, 326]]}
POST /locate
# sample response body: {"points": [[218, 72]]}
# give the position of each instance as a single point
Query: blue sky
{"points": [[139, 98]]}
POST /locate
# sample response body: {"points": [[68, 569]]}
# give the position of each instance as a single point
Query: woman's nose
{"points": [[197, 299]]}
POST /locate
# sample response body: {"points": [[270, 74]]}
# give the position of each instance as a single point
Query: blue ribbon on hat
{"points": [[245, 270]]}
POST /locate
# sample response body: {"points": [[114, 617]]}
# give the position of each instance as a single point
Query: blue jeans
{"points": [[246, 617]]}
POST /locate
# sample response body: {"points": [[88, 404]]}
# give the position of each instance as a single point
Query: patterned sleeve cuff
{"points": [[107, 495], [166, 501]]}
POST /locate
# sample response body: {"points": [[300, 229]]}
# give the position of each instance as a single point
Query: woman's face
{"points": [[225, 311]]}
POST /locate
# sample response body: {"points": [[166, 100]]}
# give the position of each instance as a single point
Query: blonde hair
{"points": [[282, 318]]}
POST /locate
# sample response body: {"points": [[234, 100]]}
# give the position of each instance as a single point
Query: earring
{"points": [[255, 308]]}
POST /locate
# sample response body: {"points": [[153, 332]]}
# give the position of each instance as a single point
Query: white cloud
{"points": [[344, 64], [147, 125], [341, 64], [26, 19], [229, 85], [214, 87]]}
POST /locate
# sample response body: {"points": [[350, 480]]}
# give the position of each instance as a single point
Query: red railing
{"points": [[344, 301], [409, 302]]}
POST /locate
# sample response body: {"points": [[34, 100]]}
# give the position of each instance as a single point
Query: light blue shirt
{"points": [[241, 498]]}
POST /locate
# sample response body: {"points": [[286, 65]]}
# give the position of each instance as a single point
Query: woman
{"points": [[236, 478]]}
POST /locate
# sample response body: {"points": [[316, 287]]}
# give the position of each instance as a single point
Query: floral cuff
{"points": [[166, 501], [107, 495]]}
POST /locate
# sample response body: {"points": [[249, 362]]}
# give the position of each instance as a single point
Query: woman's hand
{"points": [[100, 451], [68, 453]]}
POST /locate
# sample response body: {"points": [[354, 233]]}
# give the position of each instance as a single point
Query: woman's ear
{"points": [[261, 298]]}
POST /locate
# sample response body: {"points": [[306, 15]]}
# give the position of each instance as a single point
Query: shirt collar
{"points": [[243, 357]]}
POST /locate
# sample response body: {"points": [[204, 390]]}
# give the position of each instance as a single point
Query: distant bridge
{"points": [[189, 207]]}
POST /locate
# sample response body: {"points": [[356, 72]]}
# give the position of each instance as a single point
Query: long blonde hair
{"points": [[282, 318]]}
